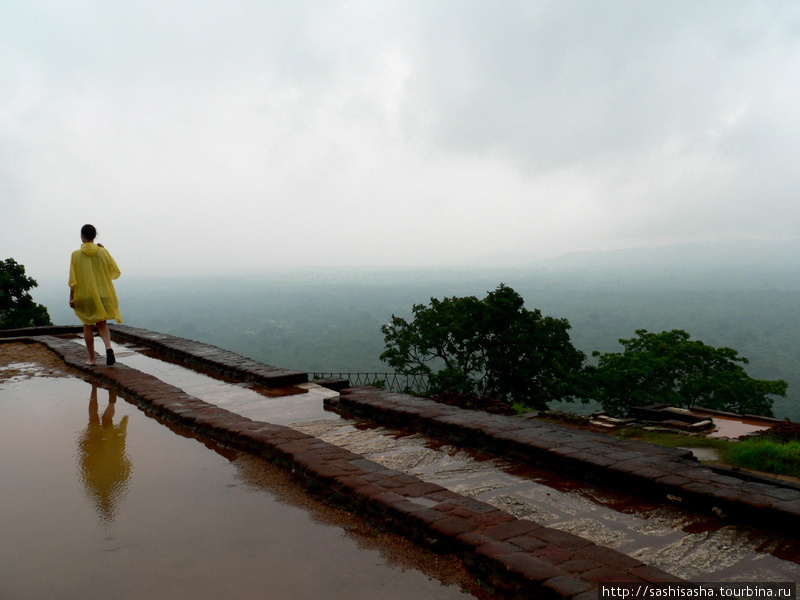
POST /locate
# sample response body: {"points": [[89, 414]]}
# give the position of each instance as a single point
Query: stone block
{"points": [[373, 477], [672, 480], [349, 484], [366, 492], [367, 465], [653, 575], [495, 517], [386, 498], [511, 529], [600, 460], [783, 493], [567, 586], [629, 466], [562, 538], [444, 495], [454, 526], [461, 511], [529, 568], [607, 574], [494, 551], [473, 539], [577, 565], [421, 488], [328, 472], [609, 558], [425, 517], [650, 473], [528, 543], [790, 508], [555, 555]]}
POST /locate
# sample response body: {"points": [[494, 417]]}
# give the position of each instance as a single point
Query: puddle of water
{"points": [[100, 500], [734, 428], [281, 406]]}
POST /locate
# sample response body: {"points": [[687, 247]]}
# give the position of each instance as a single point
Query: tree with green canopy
{"points": [[17, 308], [670, 368], [494, 347]]}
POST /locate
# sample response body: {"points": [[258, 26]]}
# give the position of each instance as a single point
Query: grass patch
{"points": [[764, 454], [757, 453], [673, 440]]}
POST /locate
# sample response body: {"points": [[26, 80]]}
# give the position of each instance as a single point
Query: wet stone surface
{"points": [[280, 406], [688, 545], [685, 544], [590, 532]]}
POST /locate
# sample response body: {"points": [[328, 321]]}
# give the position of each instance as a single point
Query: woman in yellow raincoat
{"points": [[92, 293]]}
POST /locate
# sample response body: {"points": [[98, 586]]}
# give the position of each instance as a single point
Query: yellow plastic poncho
{"points": [[105, 467], [91, 272]]}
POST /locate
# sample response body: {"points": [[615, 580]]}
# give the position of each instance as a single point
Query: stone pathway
{"points": [[689, 545]]}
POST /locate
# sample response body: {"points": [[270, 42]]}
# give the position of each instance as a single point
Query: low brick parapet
{"points": [[197, 354], [212, 358], [28, 333], [638, 467]]}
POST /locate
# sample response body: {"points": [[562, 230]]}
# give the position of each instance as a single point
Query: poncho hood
{"points": [[89, 248]]}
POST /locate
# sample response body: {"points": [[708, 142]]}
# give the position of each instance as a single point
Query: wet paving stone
{"points": [[658, 535]]}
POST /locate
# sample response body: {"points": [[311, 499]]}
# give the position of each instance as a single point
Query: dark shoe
{"points": [[110, 359]]}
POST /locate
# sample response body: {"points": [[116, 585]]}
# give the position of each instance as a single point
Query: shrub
{"points": [[786, 431], [764, 454]]}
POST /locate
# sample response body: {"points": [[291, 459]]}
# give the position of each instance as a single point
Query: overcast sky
{"points": [[239, 135]]}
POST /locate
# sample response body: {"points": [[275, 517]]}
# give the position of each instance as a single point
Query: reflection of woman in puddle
{"points": [[105, 468]]}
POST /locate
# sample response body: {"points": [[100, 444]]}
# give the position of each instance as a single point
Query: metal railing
{"points": [[395, 382]]}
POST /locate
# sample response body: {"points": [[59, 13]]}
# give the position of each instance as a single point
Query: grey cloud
{"points": [[537, 126], [566, 82]]}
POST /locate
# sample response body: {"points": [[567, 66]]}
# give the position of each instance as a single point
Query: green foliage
{"points": [[493, 347], [670, 368], [764, 454], [17, 308], [757, 453]]}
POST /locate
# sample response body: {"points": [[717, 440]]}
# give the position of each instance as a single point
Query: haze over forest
{"points": [[743, 295]]}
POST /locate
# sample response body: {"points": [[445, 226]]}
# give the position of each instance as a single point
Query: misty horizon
{"points": [[329, 320]]}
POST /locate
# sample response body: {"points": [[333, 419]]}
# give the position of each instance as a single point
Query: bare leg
{"points": [[105, 333], [88, 337], [93, 411], [108, 414]]}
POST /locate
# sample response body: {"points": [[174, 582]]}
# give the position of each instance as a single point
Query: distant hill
{"points": [[702, 255], [743, 264], [705, 255]]}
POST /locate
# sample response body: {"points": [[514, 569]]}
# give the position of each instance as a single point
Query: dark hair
{"points": [[89, 232]]}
